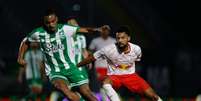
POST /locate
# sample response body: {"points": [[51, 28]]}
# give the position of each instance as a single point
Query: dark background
{"points": [[167, 30]]}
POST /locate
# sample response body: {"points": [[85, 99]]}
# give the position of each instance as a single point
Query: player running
{"points": [[56, 44], [121, 59]]}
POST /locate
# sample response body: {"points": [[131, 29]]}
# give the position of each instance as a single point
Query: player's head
{"points": [[72, 21], [50, 20], [105, 31], [123, 36]]}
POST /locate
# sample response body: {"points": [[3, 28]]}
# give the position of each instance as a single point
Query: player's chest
{"points": [[53, 42], [122, 58]]}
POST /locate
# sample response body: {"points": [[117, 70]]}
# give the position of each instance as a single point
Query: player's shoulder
{"points": [[80, 37], [66, 26], [37, 31], [134, 46]]}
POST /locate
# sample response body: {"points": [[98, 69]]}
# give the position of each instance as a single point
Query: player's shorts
{"points": [[131, 81], [34, 83], [101, 73], [84, 71], [72, 78]]}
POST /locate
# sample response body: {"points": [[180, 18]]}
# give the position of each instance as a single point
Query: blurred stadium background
{"points": [[167, 30]]}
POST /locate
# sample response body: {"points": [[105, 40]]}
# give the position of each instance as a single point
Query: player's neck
{"points": [[104, 37], [125, 49]]}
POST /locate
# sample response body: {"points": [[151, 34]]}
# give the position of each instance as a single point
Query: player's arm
{"points": [[92, 58], [42, 71], [89, 29], [86, 61], [20, 74], [22, 49], [139, 53]]}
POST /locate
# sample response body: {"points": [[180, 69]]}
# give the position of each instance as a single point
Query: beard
{"points": [[121, 46]]}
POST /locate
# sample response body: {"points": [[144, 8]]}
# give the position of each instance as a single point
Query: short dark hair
{"points": [[125, 29], [50, 11]]}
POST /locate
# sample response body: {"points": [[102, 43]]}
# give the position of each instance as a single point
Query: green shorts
{"points": [[74, 78], [84, 71], [34, 83]]}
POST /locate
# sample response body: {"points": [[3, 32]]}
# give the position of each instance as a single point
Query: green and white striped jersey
{"points": [[58, 47], [80, 45], [33, 60]]}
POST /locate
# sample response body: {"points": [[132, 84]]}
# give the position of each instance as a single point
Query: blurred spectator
{"points": [[96, 44], [33, 70]]}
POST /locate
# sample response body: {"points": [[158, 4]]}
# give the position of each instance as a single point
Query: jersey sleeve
{"points": [[138, 53], [70, 30], [33, 36], [83, 41], [100, 54]]}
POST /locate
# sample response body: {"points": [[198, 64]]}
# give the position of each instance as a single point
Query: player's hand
{"points": [[89, 66], [22, 62]]}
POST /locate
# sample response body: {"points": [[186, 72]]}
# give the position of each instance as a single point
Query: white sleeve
{"points": [[99, 54], [70, 30], [83, 41], [138, 53], [33, 37], [92, 45]]}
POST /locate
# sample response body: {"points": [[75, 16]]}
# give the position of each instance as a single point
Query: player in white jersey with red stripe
{"points": [[121, 59]]}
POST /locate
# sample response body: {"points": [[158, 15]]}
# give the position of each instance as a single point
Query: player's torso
{"points": [[33, 60], [121, 63], [58, 49]]}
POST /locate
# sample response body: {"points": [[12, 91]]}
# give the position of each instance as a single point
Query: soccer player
{"points": [[33, 70], [121, 58], [56, 44]]}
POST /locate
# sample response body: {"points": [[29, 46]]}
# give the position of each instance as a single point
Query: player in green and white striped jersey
{"points": [[33, 70], [57, 46]]}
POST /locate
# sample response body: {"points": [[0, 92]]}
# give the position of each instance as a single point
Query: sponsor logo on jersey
{"points": [[53, 47]]}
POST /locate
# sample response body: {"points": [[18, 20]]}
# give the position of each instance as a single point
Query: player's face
{"points": [[122, 39], [50, 22], [105, 32]]}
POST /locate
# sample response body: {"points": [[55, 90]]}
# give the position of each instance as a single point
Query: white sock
{"points": [[111, 93], [103, 94], [159, 99]]}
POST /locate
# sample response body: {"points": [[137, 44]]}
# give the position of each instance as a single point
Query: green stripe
{"points": [[66, 55], [47, 56], [57, 56]]}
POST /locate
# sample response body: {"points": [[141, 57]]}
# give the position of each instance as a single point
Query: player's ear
{"points": [[129, 38], [56, 18]]}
